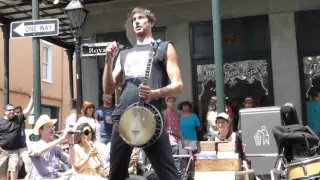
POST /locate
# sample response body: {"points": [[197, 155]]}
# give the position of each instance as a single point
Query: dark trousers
{"points": [[159, 154]]}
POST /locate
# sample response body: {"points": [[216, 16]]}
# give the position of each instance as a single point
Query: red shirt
{"points": [[172, 123]]}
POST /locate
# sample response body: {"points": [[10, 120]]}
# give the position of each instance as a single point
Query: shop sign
{"points": [[250, 70], [311, 69]]}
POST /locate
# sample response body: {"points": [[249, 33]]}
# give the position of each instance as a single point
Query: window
{"points": [[47, 63], [247, 63], [241, 38], [52, 112], [308, 38]]}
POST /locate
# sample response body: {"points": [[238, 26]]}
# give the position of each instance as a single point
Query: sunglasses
{"points": [[92, 107], [86, 132]]}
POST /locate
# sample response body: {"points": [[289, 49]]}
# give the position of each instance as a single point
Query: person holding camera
{"points": [[45, 155]]}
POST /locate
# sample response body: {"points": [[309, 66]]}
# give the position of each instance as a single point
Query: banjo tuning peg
{"points": [[153, 43]]}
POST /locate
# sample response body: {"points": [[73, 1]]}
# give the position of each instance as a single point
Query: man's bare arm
{"points": [[47, 147], [29, 107], [111, 79], [176, 86]]}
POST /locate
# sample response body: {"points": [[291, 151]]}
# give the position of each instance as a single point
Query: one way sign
{"points": [[34, 28]]}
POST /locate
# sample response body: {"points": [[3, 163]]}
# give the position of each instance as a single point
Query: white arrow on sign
{"points": [[38, 28], [20, 29]]}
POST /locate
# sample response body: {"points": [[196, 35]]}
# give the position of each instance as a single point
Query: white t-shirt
{"points": [[106, 151], [71, 120], [211, 118]]}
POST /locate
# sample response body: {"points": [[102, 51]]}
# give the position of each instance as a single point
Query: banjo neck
{"points": [[152, 54]]}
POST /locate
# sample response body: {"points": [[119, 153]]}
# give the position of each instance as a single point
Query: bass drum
{"points": [[308, 168], [141, 126]]}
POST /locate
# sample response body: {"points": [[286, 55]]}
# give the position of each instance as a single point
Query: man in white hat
{"points": [[45, 155]]}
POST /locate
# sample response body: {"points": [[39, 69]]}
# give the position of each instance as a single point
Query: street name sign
{"points": [[95, 49], [34, 28]]}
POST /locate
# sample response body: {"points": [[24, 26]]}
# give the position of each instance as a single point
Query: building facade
{"points": [[55, 91], [270, 48]]}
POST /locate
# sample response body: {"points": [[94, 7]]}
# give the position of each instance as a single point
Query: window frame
{"points": [[47, 61], [208, 58]]}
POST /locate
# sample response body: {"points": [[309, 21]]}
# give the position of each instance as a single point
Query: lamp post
{"points": [[218, 53], [78, 16]]}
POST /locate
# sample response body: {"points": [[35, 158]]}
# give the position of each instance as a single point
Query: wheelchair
{"points": [[298, 149]]}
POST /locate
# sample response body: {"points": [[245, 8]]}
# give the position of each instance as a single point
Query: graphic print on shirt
{"points": [[136, 64], [107, 114]]}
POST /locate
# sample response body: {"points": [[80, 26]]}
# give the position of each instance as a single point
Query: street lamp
{"points": [[78, 16]]}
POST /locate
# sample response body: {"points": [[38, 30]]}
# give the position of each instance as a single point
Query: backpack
{"points": [[296, 141]]}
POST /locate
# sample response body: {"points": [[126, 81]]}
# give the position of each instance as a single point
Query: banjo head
{"points": [[137, 126]]}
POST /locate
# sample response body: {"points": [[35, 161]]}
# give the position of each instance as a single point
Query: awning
{"points": [[21, 10]]}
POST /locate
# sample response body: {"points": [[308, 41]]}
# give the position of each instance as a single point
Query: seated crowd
{"points": [[81, 152], [80, 155]]}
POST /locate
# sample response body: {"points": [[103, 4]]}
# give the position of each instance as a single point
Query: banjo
{"points": [[141, 124]]}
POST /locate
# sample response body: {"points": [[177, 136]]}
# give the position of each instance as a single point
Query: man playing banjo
{"points": [[133, 67]]}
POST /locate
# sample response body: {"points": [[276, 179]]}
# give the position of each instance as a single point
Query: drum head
{"points": [[137, 126], [131, 35]]}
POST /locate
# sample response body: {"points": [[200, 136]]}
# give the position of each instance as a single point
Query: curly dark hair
{"points": [[147, 12], [77, 136]]}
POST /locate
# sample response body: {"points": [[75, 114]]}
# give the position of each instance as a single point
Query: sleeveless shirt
{"points": [[133, 65]]}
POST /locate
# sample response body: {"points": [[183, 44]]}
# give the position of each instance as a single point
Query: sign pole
{"points": [[36, 65], [79, 75], [217, 40]]}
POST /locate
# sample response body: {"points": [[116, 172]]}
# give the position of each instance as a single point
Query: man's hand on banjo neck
{"points": [[174, 88], [145, 92]]}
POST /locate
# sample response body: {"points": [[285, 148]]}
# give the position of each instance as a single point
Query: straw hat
{"points": [[43, 119]]}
